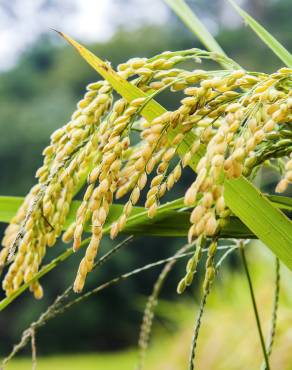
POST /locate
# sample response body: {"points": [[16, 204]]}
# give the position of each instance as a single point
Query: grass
{"points": [[111, 361], [228, 340]]}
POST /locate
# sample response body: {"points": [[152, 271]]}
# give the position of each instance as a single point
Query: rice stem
{"points": [[256, 313]]}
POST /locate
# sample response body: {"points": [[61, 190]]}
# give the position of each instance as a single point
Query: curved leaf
{"points": [[265, 36]]}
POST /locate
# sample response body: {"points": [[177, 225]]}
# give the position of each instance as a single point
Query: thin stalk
{"points": [[33, 350], [275, 308], [256, 313], [191, 365], [273, 324], [53, 310], [148, 316], [198, 323], [56, 307]]}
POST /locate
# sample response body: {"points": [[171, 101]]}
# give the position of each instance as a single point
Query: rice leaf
{"points": [[189, 18], [281, 202], [140, 224], [265, 36], [185, 13], [9, 206], [270, 225]]}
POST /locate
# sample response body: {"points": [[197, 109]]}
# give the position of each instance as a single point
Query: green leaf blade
{"points": [[265, 36], [195, 25], [139, 223], [270, 225]]}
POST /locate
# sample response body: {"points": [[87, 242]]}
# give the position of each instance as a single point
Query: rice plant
{"points": [[229, 124]]}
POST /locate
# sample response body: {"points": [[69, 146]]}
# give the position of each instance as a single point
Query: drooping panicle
{"points": [[238, 121]]}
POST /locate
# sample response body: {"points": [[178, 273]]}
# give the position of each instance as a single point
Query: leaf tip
{"points": [[66, 37], [59, 32]]}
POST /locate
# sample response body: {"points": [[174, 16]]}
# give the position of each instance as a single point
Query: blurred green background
{"points": [[41, 80]]}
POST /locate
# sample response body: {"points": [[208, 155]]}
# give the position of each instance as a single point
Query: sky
{"points": [[23, 21]]}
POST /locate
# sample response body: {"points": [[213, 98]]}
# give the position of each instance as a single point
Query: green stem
{"points": [[198, 322], [148, 316], [271, 337], [275, 307], [252, 295]]}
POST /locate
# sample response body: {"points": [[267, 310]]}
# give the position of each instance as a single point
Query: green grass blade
{"points": [[189, 18], [281, 202], [265, 36], [9, 206], [184, 12], [260, 216], [140, 224]]}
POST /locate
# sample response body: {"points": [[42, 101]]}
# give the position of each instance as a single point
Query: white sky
{"points": [[22, 21]]}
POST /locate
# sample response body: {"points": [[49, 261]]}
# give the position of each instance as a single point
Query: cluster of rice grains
{"points": [[236, 120]]}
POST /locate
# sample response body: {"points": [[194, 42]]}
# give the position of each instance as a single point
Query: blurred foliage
{"points": [[38, 96], [228, 339]]}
